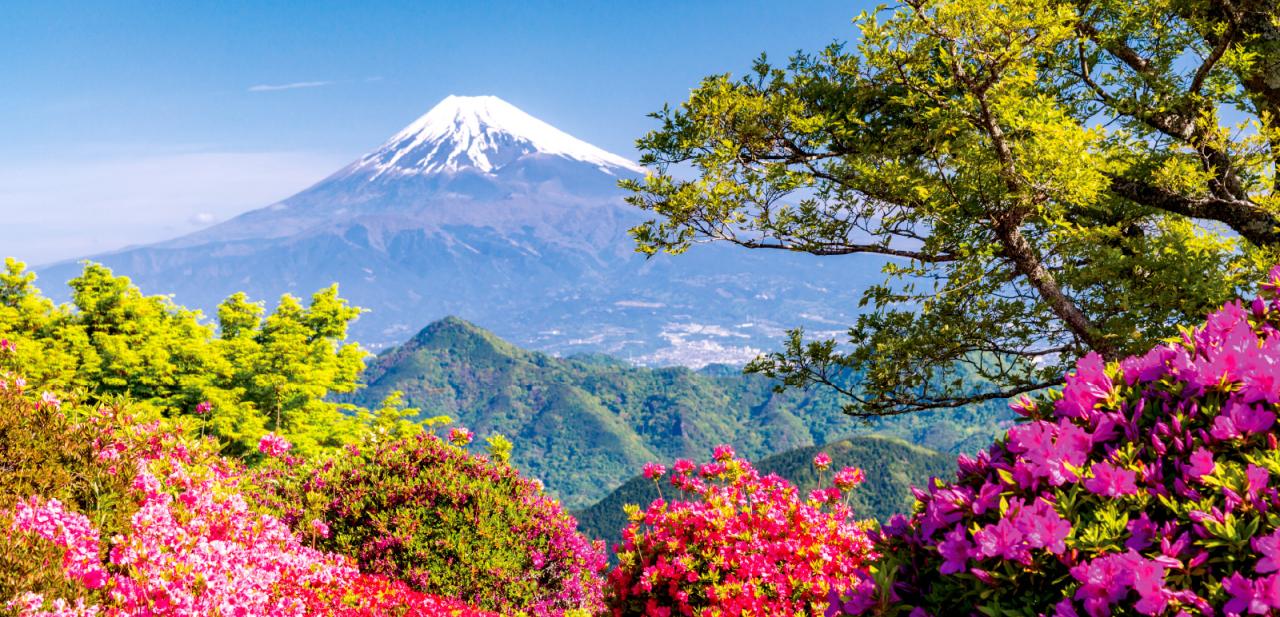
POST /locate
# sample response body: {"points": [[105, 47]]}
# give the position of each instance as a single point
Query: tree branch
{"points": [[913, 405], [1024, 259], [1206, 67], [844, 249], [1254, 224]]}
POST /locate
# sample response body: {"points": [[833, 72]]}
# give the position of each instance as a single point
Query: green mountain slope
{"points": [[892, 466], [586, 424]]}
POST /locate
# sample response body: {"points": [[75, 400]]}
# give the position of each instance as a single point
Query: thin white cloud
{"points": [[202, 218], [291, 86]]}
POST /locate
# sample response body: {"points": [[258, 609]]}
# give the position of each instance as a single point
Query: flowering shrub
{"points": [[447, 522], [1147, 486], [741, 544], [192, 546], [44, 452], [207, 557]]}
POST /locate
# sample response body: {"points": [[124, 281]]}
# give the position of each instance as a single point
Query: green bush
{"points": [[447, 522]]}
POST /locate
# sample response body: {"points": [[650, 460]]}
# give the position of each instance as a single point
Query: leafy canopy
{"points": [[256, 372], [1042, 178]]}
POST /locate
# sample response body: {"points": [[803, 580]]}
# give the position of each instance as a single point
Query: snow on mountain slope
{"points": [[475, 161], [481, 132]]}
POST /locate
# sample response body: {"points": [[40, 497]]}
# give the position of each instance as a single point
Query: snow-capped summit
{"points": [[484, 133], [479, 210]]}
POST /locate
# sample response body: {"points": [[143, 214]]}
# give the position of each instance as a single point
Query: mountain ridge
{"points": [[521, 228]]}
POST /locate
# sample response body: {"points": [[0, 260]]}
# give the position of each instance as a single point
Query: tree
{"points": [[249, 376], [288, 363], [1041, 178], [145, 347]]}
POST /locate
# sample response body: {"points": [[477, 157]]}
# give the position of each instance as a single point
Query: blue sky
{"points": [[124, 123]]}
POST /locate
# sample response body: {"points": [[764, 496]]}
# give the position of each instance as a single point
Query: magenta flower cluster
{"points": [[274, 445], [736, 543], [460, 436], [68, 530], [1146, 486]]}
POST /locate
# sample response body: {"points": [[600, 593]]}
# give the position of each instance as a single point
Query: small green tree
{"points": [[145, 347], [256, 374], [1041, 178], [287, 364], [27, 316]]}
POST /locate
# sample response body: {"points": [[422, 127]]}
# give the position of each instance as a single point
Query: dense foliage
{"points": [[1041, 178], [586, 424], [45, 451], [449, 523], [190, 545], [1148, 486], [733, 542], [254, 374], [891, 467]]}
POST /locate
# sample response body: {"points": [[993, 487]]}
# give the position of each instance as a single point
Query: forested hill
{"points": [[585, 424], [891, 465]]}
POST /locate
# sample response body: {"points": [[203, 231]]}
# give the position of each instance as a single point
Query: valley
{"points": [[584, 424]]}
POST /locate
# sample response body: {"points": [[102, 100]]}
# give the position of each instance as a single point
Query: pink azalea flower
{"points": [[1269, 548], [49, 401], [1141, 533], [849, 477], [822, 461], [1246, 596], [1042, 527], [1085, 388], [1111, 481], [273, 445], [722, 452], [1201, 463], [320, 527], [955, 549], [1256, 479], [1148, 367], [1240, 420], [1003, 540]]}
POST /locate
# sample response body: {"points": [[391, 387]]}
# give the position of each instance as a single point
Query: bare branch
{"points": [[843, 249], [1206, 67], [913, 405]]}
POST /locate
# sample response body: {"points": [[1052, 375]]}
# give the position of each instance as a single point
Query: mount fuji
{"points": [[479, 210]]}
